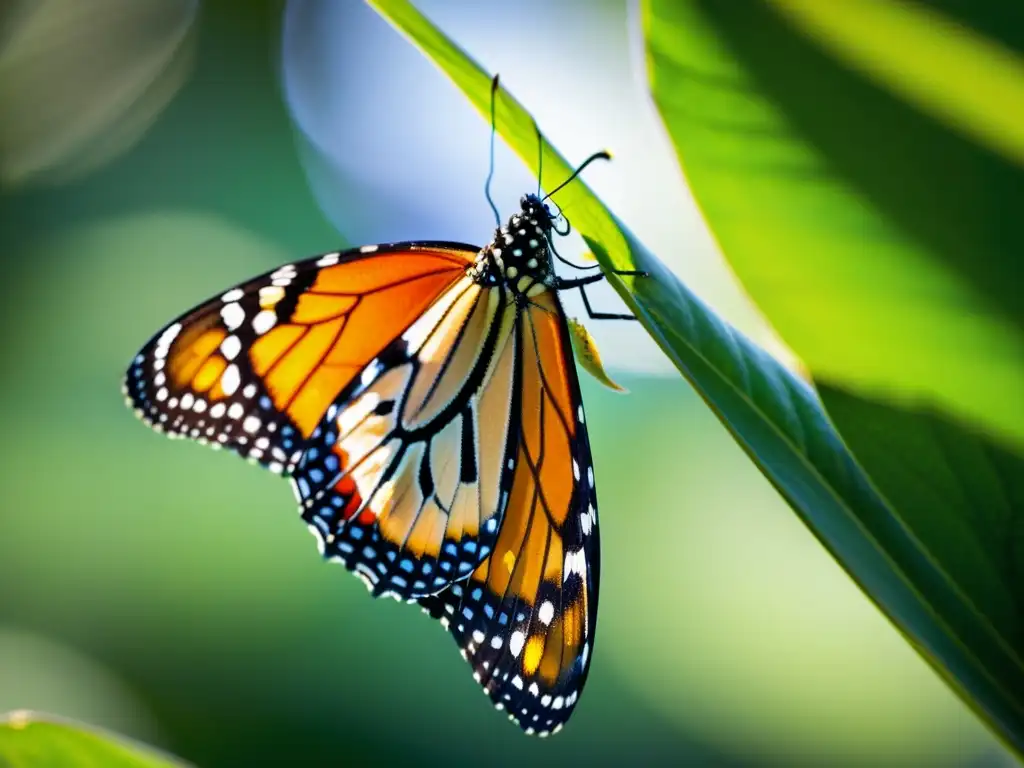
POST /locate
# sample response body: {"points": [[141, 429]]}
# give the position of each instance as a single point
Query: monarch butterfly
{"points": [[422, 399]]}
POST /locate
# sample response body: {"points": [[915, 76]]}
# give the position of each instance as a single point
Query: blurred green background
{"points": [[151, 155]]}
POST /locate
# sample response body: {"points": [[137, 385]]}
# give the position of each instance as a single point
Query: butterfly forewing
{"points": [[525, 619], [254, 369]]}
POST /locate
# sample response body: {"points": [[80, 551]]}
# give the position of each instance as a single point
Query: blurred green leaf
{"points": [[959, 492], [968, 81], [775, 418], [961, 495], [843, 211], [869, 212], [28, 740]]}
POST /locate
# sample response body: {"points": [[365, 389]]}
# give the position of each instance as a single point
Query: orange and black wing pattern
{"points": [[255, 369], [525, 619], [430, 420], [403, 480]]}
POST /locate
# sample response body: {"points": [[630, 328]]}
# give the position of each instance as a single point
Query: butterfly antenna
{"points": [[540, 155], [490, 171], [602, 155]]}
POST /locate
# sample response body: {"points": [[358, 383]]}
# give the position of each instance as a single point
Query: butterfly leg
{"points": [[561, 284], [583, 282], [601, 315]]}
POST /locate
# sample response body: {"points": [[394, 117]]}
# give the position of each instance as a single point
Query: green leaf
{"points": [[960, 493], [969, 81], [775, 418], [862, 166], [28, 740]]}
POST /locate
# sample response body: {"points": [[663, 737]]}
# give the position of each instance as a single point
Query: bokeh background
{"points": [[152, 154]]}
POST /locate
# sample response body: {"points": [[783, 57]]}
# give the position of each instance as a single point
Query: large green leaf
{"points": [[960, 493], [862, 166], [962, 496], [775, 418], [29, 740], [835, 201]]}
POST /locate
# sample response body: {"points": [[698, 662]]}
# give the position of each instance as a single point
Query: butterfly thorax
{"points": [[519, 255]]}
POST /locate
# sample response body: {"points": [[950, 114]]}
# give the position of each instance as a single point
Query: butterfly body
{"points": [[519, 255], [423, 401]]}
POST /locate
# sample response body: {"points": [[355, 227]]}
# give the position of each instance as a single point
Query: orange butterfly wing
{"points": [[281, 370], [254, 369], [402, 480], [526, 618]]}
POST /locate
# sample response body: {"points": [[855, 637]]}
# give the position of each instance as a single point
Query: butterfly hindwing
{"points": [[254, 369], [525, 619], [402, 481]]}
